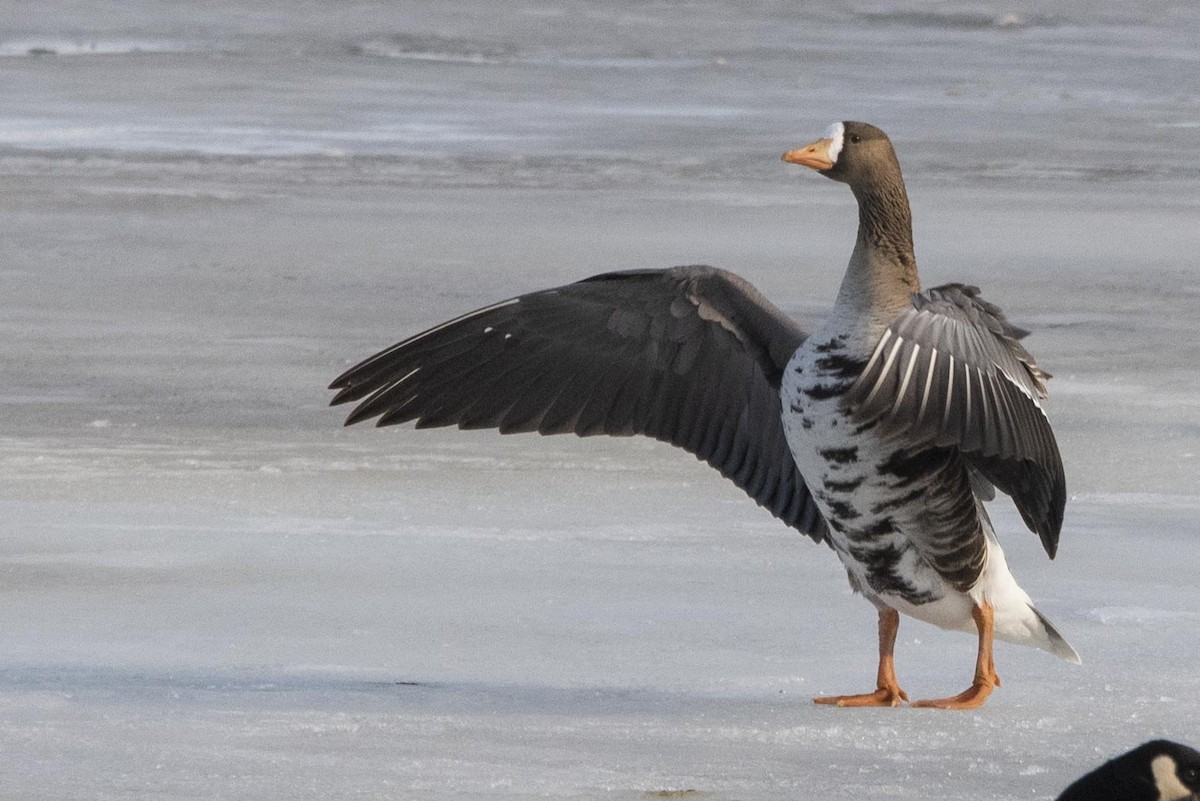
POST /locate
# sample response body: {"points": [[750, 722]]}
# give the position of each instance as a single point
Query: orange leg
{"points": [[888, 692], [986, 679]]}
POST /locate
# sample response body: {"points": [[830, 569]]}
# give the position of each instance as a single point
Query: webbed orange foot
{"points": [[986, 679], [884, 696], [972, 698]]}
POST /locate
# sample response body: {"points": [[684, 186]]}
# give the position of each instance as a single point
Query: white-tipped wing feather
{"points": [[951, 372]]}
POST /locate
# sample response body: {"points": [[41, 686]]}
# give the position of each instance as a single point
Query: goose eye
{"points": [[855, 138], [1190, 775]]}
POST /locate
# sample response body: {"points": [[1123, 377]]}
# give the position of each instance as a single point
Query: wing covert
{"points": [[951, 372]]}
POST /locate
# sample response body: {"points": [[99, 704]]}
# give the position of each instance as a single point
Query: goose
{"points": [[880, 433], [1159, 770]]}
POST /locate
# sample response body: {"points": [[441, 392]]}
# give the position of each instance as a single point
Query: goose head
{"points": [[1159, 770], [855, 153]]}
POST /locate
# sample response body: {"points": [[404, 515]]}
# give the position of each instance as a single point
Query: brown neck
{"points": [[882, 275]]}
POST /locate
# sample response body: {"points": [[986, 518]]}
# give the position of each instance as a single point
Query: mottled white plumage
{"points": [[821, 434]]}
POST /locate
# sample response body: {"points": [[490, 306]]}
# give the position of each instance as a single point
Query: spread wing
{"points": [[691, 356], [951, 372]]}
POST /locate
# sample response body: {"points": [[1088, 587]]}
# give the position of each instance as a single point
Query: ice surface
{"points": [[212, 590]]}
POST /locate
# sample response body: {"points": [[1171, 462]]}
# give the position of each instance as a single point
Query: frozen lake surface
{"points": [[210, 589]]}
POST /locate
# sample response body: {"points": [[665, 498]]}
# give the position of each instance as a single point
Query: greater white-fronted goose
{"points": [[1159, 770], [879, 434]]}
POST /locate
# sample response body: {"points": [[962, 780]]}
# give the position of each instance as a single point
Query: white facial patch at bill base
{"points": [[835, 133]]}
